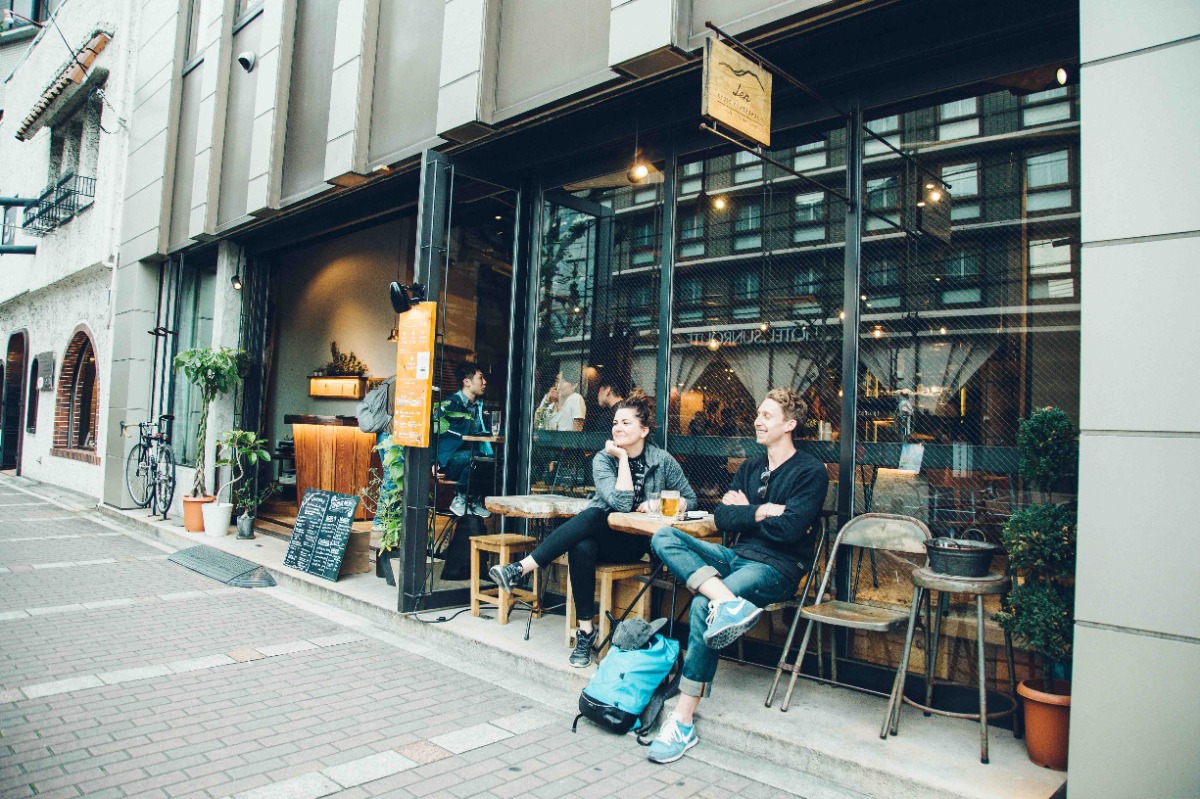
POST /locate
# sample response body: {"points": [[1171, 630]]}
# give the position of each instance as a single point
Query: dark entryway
{"points": [[11, 427]]}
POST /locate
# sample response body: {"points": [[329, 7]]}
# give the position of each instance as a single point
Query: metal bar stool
{"points": [[925, 582]]}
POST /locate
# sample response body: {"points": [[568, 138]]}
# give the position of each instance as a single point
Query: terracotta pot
{"points": [[193, 520], [1047, 721]]}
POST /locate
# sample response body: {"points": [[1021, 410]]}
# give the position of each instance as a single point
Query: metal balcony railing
{"points": [[58, 203]]}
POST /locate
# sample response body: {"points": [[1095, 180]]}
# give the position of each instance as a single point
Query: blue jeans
{"points": [[696, 561]]}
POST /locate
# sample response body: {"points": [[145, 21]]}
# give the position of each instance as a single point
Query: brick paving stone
{"points": [[218, 692]]}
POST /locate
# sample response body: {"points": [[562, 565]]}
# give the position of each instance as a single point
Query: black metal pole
{"points": [[851, 271], [662, 380]]}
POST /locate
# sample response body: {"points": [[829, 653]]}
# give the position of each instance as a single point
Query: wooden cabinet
{"points": [[334, 455]]}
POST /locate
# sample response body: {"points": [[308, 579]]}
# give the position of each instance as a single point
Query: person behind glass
{"points": [[611, 391], [770, 514], [562, 408], [465, 412], [624, 472]]}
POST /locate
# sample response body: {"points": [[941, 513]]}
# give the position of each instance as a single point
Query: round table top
{"points": [[926, 577]]}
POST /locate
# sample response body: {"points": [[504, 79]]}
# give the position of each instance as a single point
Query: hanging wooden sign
{"points": [[414, 375], [736, 91]]}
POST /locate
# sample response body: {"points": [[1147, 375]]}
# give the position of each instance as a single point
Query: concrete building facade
{"points": [[301, 148]]}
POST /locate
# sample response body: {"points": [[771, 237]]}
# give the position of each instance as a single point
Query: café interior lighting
{"points": [[403, 296], [764, 326], [394, 336], [713, 344], [638, 172], [720, 203], [877, 332]]}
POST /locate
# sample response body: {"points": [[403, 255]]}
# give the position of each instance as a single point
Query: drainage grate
{"points": [[223, 567]]}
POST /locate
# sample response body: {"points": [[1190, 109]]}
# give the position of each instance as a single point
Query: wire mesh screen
{"points": [[970, 308], [758, 289], [597, 318]]}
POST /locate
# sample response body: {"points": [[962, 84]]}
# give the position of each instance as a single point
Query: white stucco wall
{"points": [[49, 317]]}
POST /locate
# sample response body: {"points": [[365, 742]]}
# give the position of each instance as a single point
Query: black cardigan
{"points": [[784, 542]]}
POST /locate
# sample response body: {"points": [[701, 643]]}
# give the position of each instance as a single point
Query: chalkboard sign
{"points": [[322, 529]]}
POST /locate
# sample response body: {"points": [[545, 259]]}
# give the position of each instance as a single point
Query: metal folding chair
{"points": [[873, 531]]}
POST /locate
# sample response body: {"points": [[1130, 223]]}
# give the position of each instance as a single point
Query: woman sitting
{"points": [[627, 469]]}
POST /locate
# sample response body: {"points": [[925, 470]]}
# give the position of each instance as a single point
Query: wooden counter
{"points": [[334, 455]]}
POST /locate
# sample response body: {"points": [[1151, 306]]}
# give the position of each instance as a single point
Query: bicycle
{"points": [[150, 467]]}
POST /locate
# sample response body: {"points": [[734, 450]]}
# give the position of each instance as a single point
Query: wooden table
{"points": [[536, 506], [645, 524], [486, 439]]}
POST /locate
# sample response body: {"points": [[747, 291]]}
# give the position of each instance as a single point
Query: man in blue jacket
{"points": [[464, 411], [769, 515]]}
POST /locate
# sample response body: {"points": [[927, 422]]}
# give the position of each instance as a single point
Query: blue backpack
{"points": [[629, 688]]}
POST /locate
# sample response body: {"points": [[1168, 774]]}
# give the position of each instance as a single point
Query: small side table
{"points": [[926, 580]]}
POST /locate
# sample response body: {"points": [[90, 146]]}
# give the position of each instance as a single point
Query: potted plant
{"points": [[248, 497], [388, 488], [214, 371], [1039, 612], [236, 449]]}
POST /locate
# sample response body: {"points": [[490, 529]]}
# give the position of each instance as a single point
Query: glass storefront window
{"points": [[197, 299]]}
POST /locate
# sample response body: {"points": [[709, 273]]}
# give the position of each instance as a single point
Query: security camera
{"points": [[246, 60]]}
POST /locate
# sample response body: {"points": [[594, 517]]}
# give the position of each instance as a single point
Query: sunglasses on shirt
{"points": [[765, 479]]}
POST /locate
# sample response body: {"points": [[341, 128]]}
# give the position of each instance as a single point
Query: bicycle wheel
{"points": [[137, 476], [164, 484]]}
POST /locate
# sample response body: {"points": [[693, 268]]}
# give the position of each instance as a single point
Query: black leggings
{"points": [[587, 539]]}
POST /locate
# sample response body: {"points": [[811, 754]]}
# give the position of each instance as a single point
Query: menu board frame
{"points": [[321, 532], [413, 405]]}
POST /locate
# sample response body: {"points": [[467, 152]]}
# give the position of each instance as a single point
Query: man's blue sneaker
{"points": [[728, 620], [673, 740]]}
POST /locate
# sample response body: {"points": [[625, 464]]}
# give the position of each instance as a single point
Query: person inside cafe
{"points": [[563, 408], [628, 469], [611, 391], [769, 516], [464, 412]]}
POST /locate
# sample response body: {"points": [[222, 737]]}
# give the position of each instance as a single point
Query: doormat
{"points": [[223, 567]]}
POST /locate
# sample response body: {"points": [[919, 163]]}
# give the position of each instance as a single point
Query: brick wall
{"points": [[68, 403]]}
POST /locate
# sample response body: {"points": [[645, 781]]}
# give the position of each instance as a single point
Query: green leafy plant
{"points": [[343, 364], [443, 417], [239, 449], [1040, 541], [214, 371], [387, 489]]}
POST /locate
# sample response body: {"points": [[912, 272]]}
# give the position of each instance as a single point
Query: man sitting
{"points": [[770, 515], [464, 412]]}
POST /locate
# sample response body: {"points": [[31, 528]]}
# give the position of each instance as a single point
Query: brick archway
{"points": [[77, 401]]}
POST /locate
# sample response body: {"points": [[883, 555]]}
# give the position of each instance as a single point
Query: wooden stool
{"points": [[505, 546], [607, 577]]}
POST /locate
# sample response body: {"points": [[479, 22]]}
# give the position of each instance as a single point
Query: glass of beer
{"points": [[670, 504]]}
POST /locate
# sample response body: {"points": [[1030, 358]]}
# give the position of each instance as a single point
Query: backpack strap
{"points": [[668, 688]]}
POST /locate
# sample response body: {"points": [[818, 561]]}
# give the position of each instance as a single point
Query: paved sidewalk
{"points": [[123, 674]]}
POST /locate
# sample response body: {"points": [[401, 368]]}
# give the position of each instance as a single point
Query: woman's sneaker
{"points": [[673, 740], [728, 621], [506, 577], [581, 658]]}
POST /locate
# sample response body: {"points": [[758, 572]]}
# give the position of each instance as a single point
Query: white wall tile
{"points": [[1112, 27], [462, 39], [1139, 533], [1141, 164], [1140, 346], [1135, 717], [638, 27]]}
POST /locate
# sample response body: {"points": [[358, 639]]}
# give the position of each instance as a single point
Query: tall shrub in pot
{"points": [[1040, 611], [214, 371]]}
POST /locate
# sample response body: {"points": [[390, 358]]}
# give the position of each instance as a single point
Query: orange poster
{"points": [[414, 375]]}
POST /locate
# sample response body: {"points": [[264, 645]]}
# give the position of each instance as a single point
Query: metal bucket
{"points": [[960, 557]]}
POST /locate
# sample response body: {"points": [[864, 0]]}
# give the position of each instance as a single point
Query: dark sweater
{"points": [[784, 542]]}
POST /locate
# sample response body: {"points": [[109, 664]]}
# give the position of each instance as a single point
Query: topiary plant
{"points": [[1040, 542]]}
